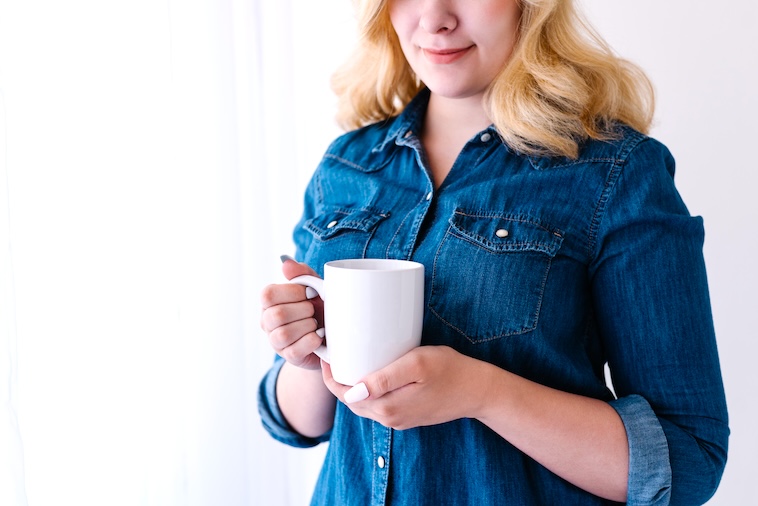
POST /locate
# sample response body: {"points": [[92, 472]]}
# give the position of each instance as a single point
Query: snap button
{"points": [[501, 232], [429, 196], [380, 462], [332, 224], [485, 137]]}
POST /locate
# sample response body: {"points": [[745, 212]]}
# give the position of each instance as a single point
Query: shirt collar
{"points": [[408, 123]]}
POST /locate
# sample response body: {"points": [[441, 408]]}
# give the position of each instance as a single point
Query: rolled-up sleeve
{"points": [[653, 310], [272, 417], [649, 470]]}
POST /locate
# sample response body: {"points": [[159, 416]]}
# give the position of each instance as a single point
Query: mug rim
{"points": [[374, 264]]}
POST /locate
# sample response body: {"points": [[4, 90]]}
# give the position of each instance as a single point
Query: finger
{"points": [[301, 351], [397, 375], [400, 373], [292, 269], [356, 394], [283, 314], [338, 389], [275, 294], [286, 335]]}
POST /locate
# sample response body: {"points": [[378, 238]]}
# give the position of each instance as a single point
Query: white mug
{"points": [[373, 313]]}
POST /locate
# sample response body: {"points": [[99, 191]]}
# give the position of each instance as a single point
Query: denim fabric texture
{"points": [[547, 267]]}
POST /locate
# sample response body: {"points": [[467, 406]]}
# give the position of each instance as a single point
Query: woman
{"points": [[501, 144]]}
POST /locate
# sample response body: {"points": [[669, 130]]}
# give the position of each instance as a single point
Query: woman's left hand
{"points": [[426, 386]]}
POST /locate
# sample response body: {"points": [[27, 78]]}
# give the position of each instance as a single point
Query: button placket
{"points": [[382, 442]]}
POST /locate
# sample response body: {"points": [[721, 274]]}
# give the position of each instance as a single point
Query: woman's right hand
{"points": [[291, 319]]}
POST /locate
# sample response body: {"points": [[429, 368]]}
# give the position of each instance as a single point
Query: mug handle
{"points": [[317, 284]]}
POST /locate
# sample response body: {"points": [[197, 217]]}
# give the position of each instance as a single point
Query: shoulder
{"points": [[366, 147], [369, 135], [374, 144], [626, 146]]}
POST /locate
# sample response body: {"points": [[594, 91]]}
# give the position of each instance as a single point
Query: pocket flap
{"points": [[504, 233], [329, 224]]}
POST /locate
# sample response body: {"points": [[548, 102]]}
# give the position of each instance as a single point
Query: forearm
{"points": [[580, 439], [304, 400]]}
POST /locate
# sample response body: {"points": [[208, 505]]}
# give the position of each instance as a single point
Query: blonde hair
{"points": [[562, 84]]}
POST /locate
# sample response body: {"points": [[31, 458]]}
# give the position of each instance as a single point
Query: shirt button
{"points": [[332, 224], [429, 196], [380, 462], [485, 137], [501, 233]]}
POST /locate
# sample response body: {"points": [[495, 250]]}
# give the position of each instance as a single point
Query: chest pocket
{"points": [[490, 272], [342, 233]]}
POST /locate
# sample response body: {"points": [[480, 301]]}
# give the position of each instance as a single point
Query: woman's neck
{"points": [[448, 125], [458, 116]]}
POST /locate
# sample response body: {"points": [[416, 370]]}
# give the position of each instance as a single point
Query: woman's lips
{"points": [[445, 56]]}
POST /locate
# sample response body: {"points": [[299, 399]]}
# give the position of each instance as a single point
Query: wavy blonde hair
{"points": [[562, 84]]}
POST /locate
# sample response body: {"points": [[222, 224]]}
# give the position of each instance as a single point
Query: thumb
{"points": [[292, 269], [400, 373]]}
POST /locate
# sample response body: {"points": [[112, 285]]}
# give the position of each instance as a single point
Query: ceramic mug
{"points": [[373, 313]]}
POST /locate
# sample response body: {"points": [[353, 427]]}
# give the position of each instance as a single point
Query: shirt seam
{"points": [[610, 185]]}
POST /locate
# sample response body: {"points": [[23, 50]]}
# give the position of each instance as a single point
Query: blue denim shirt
{"points": [[547, 267]]}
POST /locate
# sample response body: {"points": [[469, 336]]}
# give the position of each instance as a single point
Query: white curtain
{"points": [[11, 451], [152, 161]]}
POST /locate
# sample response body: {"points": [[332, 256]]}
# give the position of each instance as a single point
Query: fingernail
{"points": [[358, 393], [310, 292], [321, 332], [284, 258]]}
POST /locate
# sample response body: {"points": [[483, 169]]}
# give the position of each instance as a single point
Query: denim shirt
{"points": [[547, 267]]}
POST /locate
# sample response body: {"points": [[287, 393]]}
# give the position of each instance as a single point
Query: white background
{"points": [[152, 161]]}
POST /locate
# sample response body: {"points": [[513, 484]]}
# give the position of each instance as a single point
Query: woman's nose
{"points": [[437, 17]]}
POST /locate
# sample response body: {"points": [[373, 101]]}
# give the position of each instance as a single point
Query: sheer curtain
{"points": [[11, 451], [152, 161]]}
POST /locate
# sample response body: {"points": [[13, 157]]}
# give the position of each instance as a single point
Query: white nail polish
{"points": [[321, 332], [358, 393], [310, 292]]}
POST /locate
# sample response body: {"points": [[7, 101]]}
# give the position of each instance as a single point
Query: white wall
{"points": [[703, 59]]}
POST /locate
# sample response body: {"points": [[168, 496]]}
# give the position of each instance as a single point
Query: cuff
{"points": [[649, 467], [272, 417]]}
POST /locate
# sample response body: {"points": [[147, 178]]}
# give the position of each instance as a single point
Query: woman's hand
{"points": [[426, 386], [580, 439], [291, 320]]}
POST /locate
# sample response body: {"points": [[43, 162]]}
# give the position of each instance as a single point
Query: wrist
{"points": [[485, 393], [306, 403]]}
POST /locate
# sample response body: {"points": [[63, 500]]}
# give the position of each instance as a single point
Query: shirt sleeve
{"points": [[268, 407], [653, 313], [649, 470], [272, 417]]}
